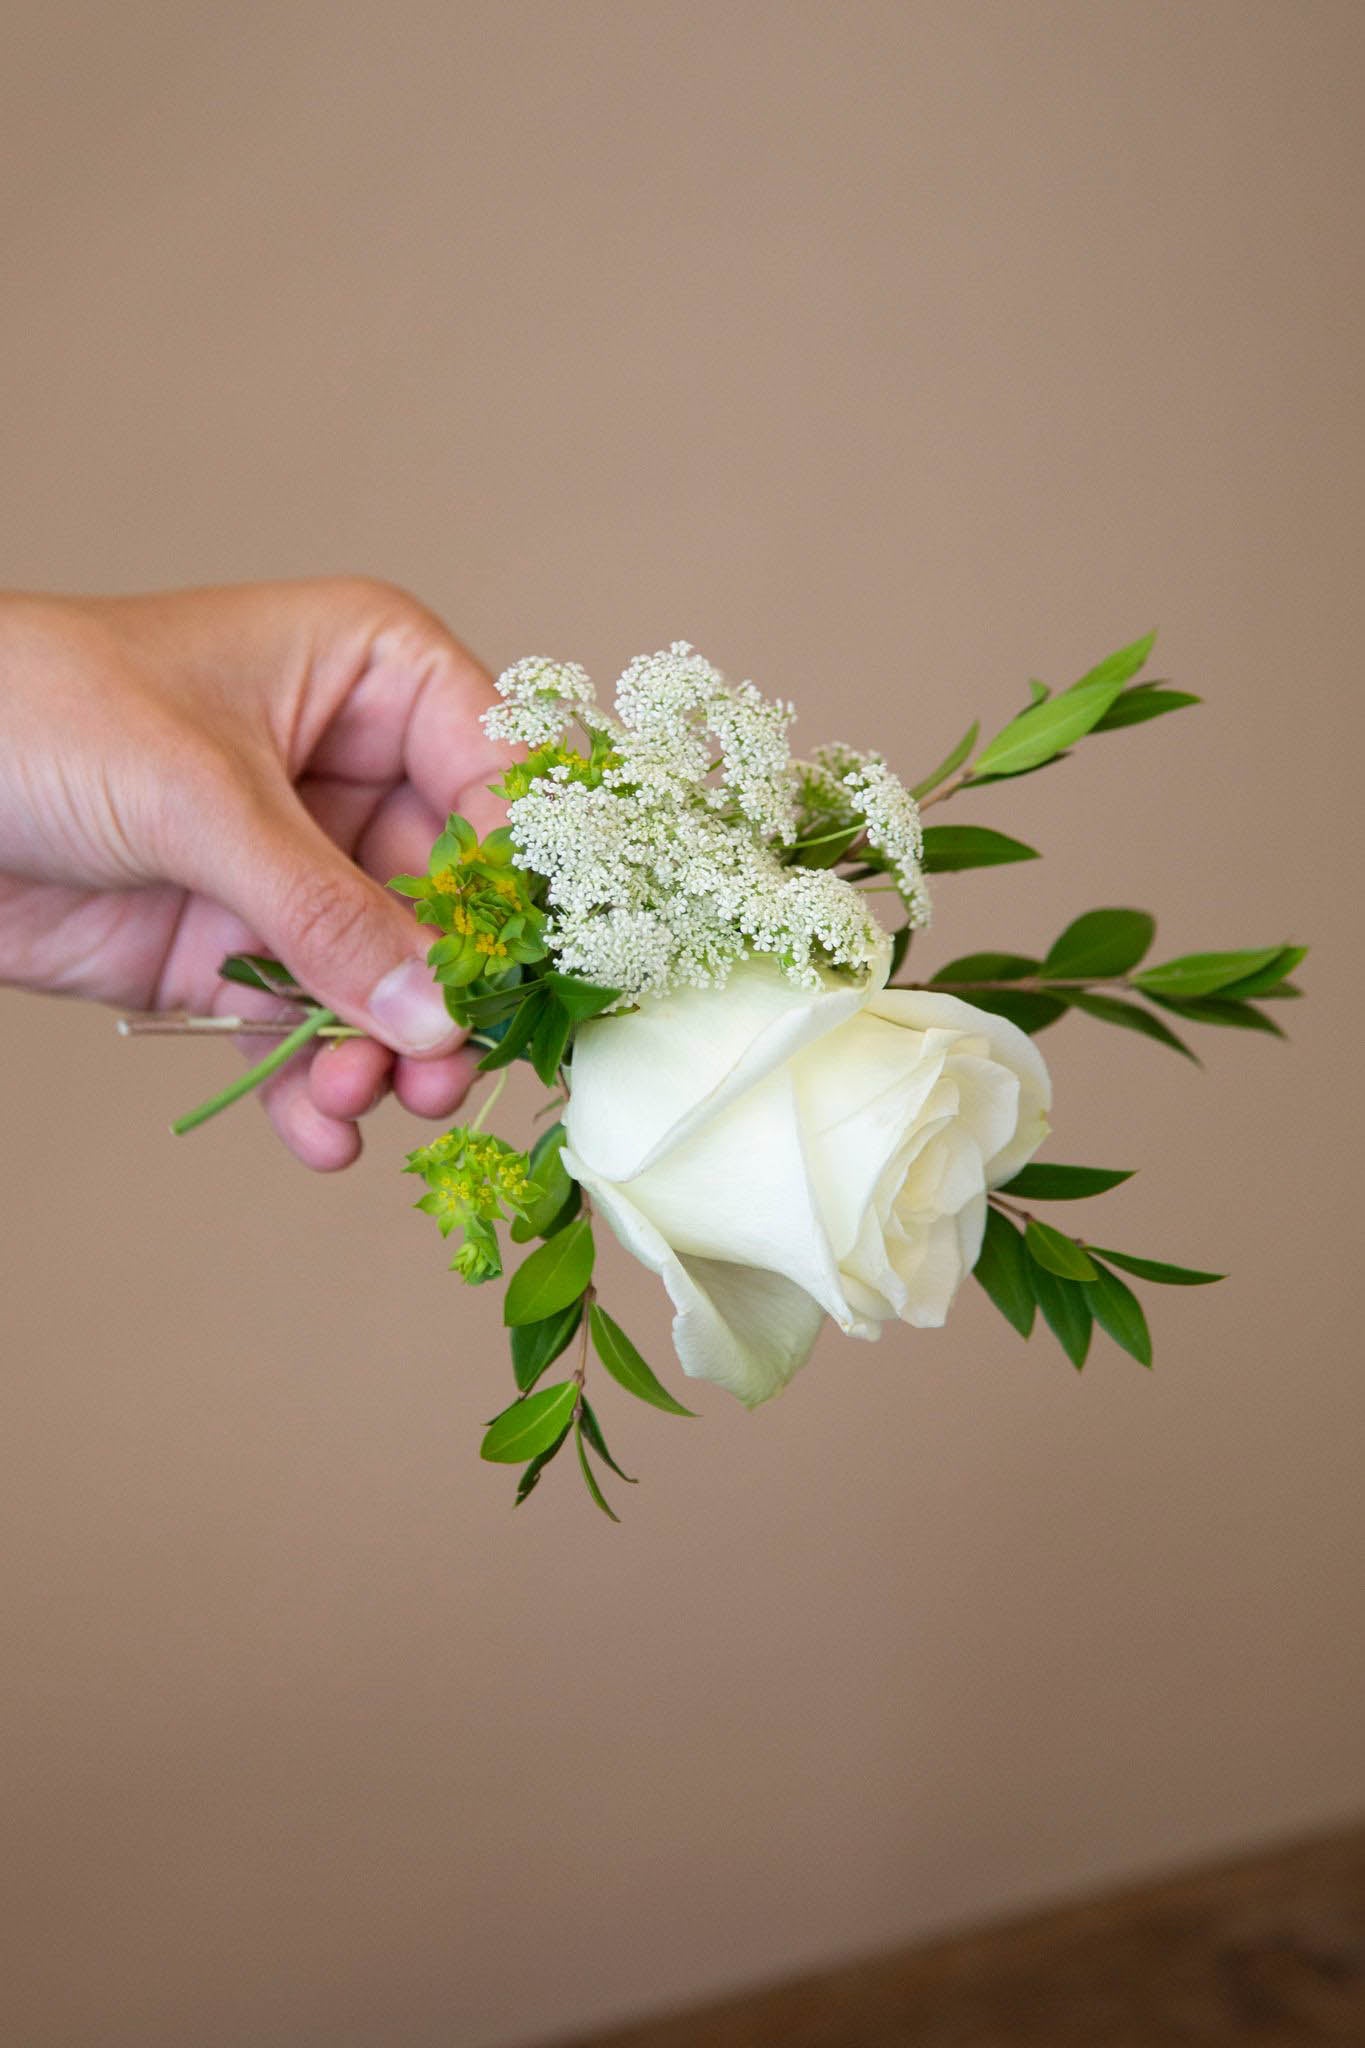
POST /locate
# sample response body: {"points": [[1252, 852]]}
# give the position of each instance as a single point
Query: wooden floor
{"points": [[1269, 1952]]}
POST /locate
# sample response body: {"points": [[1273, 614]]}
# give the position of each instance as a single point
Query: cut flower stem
{"points": [[315, 1022]]}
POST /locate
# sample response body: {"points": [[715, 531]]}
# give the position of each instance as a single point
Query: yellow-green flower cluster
{"points": [[474, 1181], [560, 763], [481, 902]]}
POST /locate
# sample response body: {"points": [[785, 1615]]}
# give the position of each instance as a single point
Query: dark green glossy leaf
{"points": [[1003, 1269], [1157, 1269], [1056, 1251], [496, 1003], [1066, 1311], [625, 1364], [1143, 701], [552, 1277], [536, 1346], [900, 946], [1271, 978], [530, 1478], [592, 1432], [949, 848], [1117, 1309], [530, 1425], [1100, 944], [515, 1039], [1041, 1181], [549, 1173], [573, 1207], [1029, 1010], [1204, 974], [949, 764], [550, 1041], [1132, 1017], [589, 1476], [1220, 1010], [582, 999], [987, 967], [257, 970]]}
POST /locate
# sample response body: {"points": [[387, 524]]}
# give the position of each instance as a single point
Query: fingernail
{"points": [[410, 1010]]}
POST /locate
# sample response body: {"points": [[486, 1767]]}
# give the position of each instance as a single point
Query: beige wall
{"points": [[890, 353]]}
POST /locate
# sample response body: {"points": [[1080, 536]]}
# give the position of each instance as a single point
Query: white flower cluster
{"points": [[664, 856], [893, 829], [543, 699]]}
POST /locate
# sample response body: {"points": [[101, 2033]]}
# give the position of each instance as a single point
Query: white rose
{"points": [[778, 1156]]}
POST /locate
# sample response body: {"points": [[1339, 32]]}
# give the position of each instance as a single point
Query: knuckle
{"points": [[326, 916], [375, 597]]}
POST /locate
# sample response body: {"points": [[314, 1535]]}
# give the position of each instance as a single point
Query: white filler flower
{"points": [[778, 1155]]}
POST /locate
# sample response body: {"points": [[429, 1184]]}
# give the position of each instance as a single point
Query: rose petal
{"points": [[746, 1329], [645, 1081], [923, 1009]]}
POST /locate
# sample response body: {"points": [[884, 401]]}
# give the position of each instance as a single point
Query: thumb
{"points": [[343, 938]]}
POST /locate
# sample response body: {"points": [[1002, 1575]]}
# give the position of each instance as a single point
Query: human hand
{"points": [[188, 775]]}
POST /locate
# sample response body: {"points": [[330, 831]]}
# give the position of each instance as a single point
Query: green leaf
{"points": [[1143, 701], [1046, 728], [1102, 943], [625, 1364], [1040, 734], [592, 1430], [549, 1173], [535, 1346], [1119, 667], [1041, 1181], [582, 999], [987, 967], [1066, 1311], [257, 970], [949, 764], [517, 1036], [825, 849], [1003, 1270], [1132, 1017], [1157, 1269], [1118, 1310], [497, 1003], [1220, 1010], [900, 946], [1204, 974], [1271, 978], [530, 1425], [552, 1277], [551, 1040], [1031, 1011], [1038, 693], [589, 1477], [531, 1476], [1057, 1252], [949, 848]]}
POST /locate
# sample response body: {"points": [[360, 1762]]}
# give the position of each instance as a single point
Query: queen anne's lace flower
{"points": [[673, 860], [543, 699]]}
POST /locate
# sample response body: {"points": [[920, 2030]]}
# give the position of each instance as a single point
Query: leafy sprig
{"points": [[1093, 967], [550, 1302], [1027, 1265]]}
